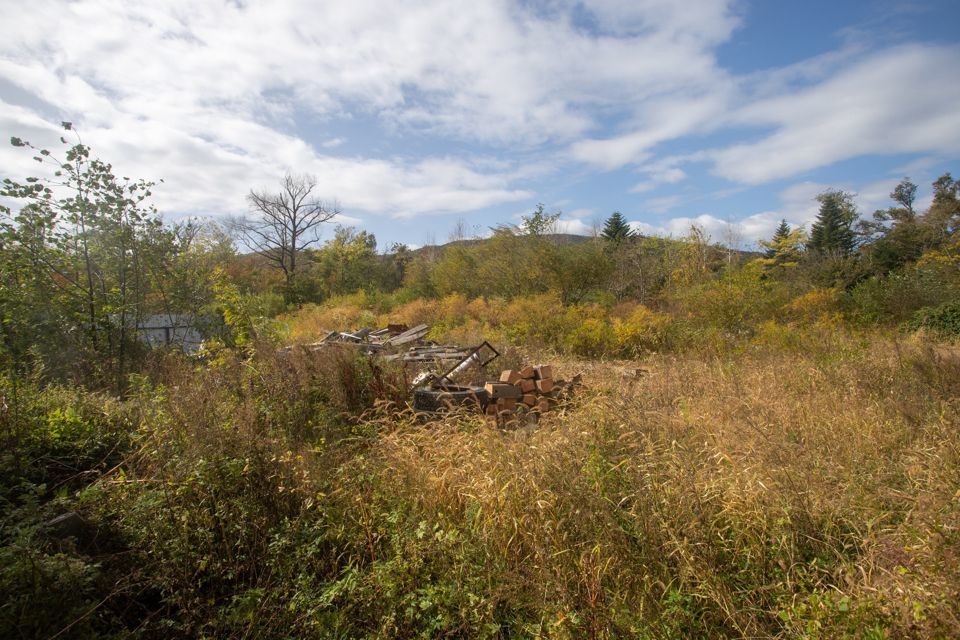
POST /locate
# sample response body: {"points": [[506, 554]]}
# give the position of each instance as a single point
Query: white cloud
{"points": [[215, 97], [573, 226], [797, 205], [209, 95], [658, 121], [204, 177], [663, 204], [901, 100], [840, 105], [657, 177], [729, 232], [709, 21], [643, 187], [490, 70]]}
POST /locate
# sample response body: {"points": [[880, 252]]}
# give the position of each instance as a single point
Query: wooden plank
{"points": [[409, 336]]}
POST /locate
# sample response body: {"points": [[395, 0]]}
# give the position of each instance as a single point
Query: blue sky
{"points": [[729, 114]]}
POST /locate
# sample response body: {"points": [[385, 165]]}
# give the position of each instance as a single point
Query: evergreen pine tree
{"points": [[616, 228], [832, 233], [781, 234]]}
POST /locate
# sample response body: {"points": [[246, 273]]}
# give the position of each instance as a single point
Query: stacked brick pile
{"points": [[532, 390]]}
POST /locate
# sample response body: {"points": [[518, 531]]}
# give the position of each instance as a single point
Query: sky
{"points": [[421, 117]]}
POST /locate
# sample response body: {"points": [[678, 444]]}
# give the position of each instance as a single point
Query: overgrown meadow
{"points": [[766, 444], [796, 487]]}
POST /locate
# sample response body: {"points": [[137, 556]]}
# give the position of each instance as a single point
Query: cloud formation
{"points": [[895, 101], [169, 87], [406, 109]]}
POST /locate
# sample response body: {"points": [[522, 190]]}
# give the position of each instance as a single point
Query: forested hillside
{"points": [[783, 460]]}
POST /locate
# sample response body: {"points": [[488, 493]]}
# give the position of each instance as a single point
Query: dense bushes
{"points": [[56, 440], [54, 436], [943, 320]]}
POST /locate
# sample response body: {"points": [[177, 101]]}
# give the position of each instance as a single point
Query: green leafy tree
{"points": [[348, 262], [895, 235], [905, 193], [90, 247], [579, 271], [944, 213], [616, 229], [418, 274], [400, 257], [900, 235], [539, 222]]}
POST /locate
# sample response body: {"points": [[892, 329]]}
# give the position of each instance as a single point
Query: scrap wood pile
{"points": [[532, 390], [393, 342], [527, 392], [369, 340], [386, 342]]}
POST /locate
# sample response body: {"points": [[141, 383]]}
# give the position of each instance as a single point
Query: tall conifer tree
{"points": [[781, 234], [832, 233], [616, 228]]}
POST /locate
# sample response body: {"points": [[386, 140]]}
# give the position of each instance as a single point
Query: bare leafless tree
{"points": [[285, 222], [732, 239]]}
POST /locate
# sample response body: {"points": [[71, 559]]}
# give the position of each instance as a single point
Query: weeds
{"points": [[765, 492]]}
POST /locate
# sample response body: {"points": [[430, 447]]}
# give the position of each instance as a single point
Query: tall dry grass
{"points": [[768, 491], [753, 496]]}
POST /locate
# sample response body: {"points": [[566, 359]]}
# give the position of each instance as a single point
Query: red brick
{"points": [[545, 385], [543, 371], [503, 390], [510, 376]]}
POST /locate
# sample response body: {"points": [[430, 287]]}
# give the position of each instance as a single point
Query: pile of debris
{"points": [[531, 390], [386, 342], [369, 340], [525, 393]]}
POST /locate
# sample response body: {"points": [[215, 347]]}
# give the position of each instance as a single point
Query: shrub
{"points": [[538, 320], [593, 338], [734, 303], [943, 320], [43, 588], [894, 298], [812, 305], [419, 311], [59, 436], [643, 331]]}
